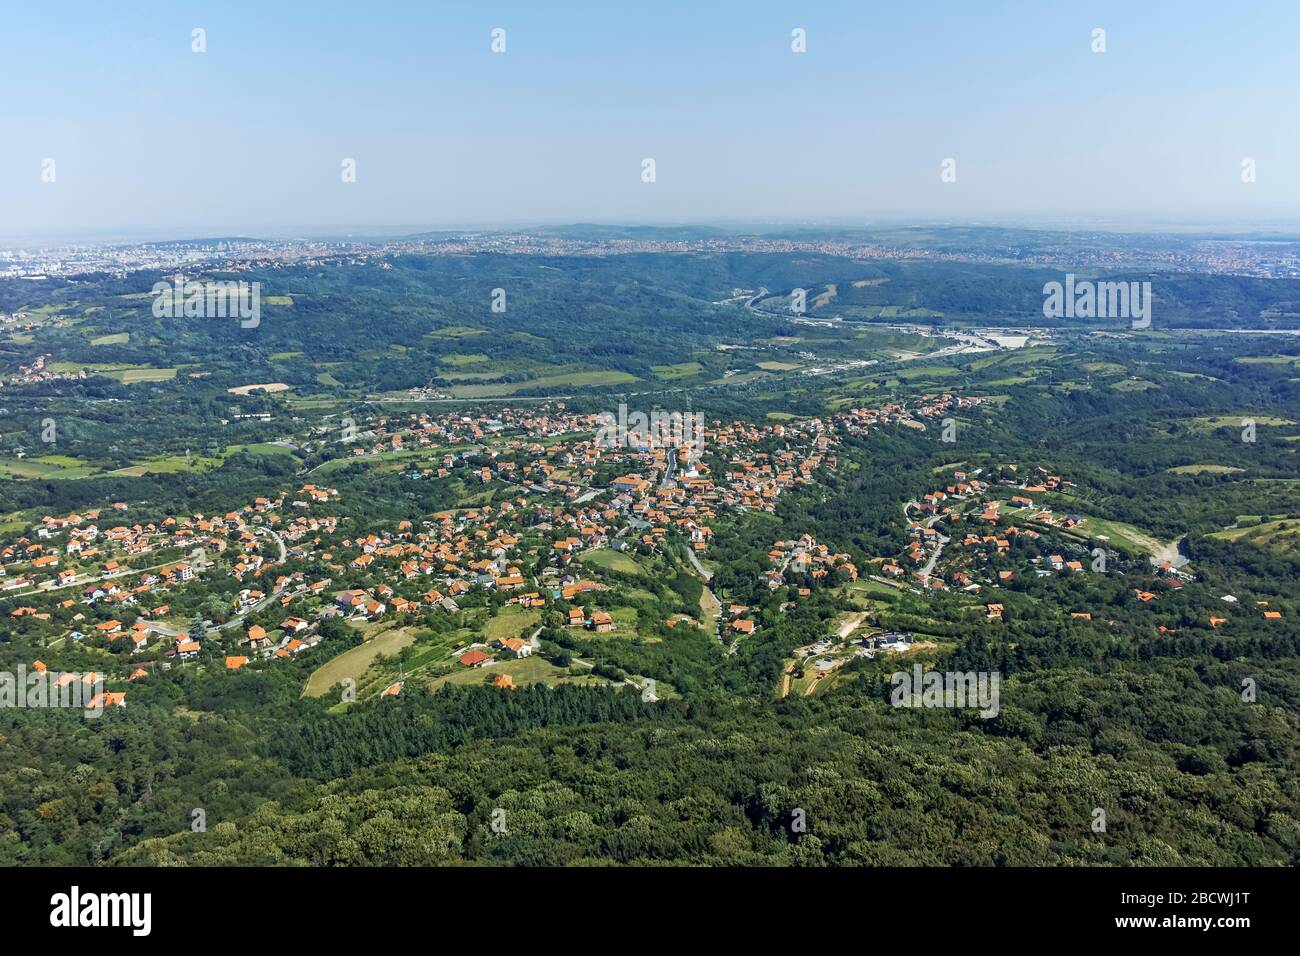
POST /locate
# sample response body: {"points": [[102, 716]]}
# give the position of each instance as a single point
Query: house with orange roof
{"points": [[106, 700], [515, 646]]}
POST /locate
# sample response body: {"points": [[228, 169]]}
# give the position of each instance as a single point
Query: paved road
{"points": [[284, 552], [934, 556], [703, 571], [670, 470], [251, 609], [929, 565], [198, 558]]}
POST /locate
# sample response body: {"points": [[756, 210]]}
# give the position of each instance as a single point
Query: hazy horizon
{"points": [[153, 140], [1288, 230]]}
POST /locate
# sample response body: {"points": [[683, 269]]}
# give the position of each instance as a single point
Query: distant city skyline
{"points": [[116, 129]]}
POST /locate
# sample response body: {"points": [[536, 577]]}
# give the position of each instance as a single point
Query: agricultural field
{"points": [[46, 466], [126, 374]]}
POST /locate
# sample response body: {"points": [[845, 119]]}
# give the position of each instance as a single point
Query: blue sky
{"points": [[150, 138]]}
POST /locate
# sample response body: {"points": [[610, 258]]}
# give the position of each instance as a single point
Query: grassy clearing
{"points": [[1125, 535], [1211, 423], [117, 338], [355, 662], [680, 370], [270, 387], [1026, 356], [1283, 534], [136, 375], [926, 371], [1267, 360], [46, 466], [527, 670], [1014, 380], [14, 523], [568, 379], [710, 610], [511, 621], [454, 332], [392, 460], [866, 588], [169, 465], [126, 374], [1205, 470], [612, 561], [259, 448]]}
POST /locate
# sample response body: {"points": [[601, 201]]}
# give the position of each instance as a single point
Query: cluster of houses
{"points": [[805, 557], [974, 505], [565, 487], [980, 503], [39, 372]]}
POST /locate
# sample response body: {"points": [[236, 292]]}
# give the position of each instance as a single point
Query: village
{"points": [[144, 585]]}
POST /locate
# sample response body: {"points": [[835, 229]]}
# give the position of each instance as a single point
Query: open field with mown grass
{"points": [[527, 670], [126, 374], [612, 560], [511, 621], [356, 661]]}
